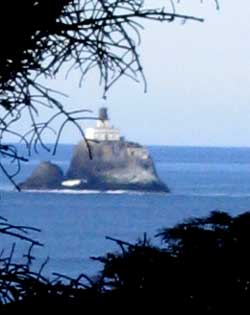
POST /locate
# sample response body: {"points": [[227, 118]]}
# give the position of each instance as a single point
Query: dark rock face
{"points": [[45, 176], [115, 165]]}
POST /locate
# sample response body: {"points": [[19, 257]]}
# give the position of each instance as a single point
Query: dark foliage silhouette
{"points": [[202, 267]]}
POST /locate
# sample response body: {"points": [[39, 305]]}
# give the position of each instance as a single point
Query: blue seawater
{"points": [[74, 225]]}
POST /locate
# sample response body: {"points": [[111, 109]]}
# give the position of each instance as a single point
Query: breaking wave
{"points": [[77, 192]]}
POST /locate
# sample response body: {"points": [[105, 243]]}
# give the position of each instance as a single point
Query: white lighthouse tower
{"points": [[103, 130]]}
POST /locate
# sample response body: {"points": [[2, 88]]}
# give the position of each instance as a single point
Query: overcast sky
{"points": [[198, 77]]}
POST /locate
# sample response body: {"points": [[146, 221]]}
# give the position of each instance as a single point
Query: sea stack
{"points": [[104, 161]]}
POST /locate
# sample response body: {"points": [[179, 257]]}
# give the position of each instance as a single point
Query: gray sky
{"points": [[198, 77]]}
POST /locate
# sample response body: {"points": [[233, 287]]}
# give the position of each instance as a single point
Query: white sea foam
{"points": [[211, 195], [72, 191], [61, 191]]}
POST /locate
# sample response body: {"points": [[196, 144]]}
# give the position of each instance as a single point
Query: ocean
{"points": [[74, 226]]}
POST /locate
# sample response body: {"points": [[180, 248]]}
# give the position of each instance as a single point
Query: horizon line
{"points": [[222, 146]]}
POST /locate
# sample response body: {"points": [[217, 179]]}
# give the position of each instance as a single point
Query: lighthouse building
{"points": [[103, 130]]}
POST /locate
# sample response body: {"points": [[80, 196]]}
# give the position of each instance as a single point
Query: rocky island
{"points": [[115, 164]]}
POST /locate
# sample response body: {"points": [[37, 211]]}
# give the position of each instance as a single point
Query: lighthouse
{"points": [[103, 131]]}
